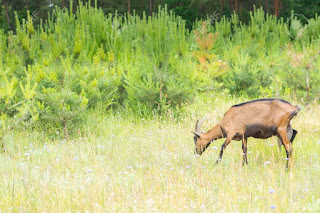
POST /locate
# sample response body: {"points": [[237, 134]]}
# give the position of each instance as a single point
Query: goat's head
{"points": [[200, 143]]}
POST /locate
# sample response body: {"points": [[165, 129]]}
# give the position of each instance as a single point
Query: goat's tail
{"points": [[295, 112]]}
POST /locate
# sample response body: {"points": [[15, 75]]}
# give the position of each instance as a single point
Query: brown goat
{"points": [[260, 118]]}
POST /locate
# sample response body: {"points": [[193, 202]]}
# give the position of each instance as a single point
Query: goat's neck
{"points": [[213, 134]]}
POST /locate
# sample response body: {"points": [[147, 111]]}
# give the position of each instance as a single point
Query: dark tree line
{"points": [[188, 9]]}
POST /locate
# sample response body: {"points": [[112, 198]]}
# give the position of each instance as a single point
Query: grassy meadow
{"points": [[96, 111], [125, 164]]}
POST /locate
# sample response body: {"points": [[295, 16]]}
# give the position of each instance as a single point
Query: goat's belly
{"points": [[263, 135], [259, 131]]}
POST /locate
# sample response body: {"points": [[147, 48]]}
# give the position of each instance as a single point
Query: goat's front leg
{"points": [[282, 134], [244, 149], [224, 145]]}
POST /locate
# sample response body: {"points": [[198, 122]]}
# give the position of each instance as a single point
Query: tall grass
{"points": [[124, 164]]}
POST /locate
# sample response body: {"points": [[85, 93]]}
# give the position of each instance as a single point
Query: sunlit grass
{"points": [[122, 164]]}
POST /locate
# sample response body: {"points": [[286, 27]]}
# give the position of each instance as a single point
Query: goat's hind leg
{"points": [[282, 134], [294, 133], [291, 134]]}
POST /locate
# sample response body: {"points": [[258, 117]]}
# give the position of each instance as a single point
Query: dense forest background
{"points": [[189, 10]]}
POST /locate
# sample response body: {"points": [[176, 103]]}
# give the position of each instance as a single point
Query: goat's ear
{"points": [[196, 134]]}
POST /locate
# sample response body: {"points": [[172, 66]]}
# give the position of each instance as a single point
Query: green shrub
{"points": [[246, 76], [54, 74], [158, 87]]}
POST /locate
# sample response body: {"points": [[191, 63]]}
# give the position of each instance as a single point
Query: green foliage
{"points": [[189, 10], [256, 54], [245, 76], [54, 73], [209, 66], [184, 9], [153, 87], [302, 72], [77, 62]]}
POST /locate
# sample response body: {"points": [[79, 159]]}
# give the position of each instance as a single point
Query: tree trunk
{"points": [[266, 6], [27, 4], [141, 7], [7, 14], [231, 5], [13, 8], [276, 7], [221, 7], [150, 7], [252, 5], [129, 6], [236, 5], [63, 4]]}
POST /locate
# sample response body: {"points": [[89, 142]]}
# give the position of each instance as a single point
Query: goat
{"points": [[260, 118]]}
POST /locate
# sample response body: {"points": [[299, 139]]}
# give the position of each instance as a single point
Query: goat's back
{"points": [[262, 112]]}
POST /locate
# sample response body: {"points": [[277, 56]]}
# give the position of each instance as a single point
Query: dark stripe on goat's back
{"points": [[258, 100]]}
